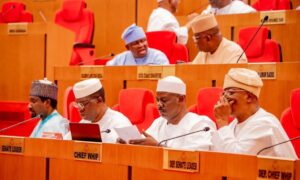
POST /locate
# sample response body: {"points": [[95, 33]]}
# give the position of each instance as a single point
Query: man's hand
{"points": [[222, 111], [148, 140], [121, 141]]}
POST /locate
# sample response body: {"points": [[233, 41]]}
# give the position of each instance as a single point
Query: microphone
{"points": [[42, 16], [165, 140], [20, 123], [96, 59], [106, 131], [292, 139], [253, 36]]}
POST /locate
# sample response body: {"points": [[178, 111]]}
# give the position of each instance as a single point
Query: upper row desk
{"points": [[56, 159], [274, 97]]}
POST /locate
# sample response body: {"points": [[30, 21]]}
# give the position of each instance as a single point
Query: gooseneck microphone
{"points": [[20, 123], [165, 140], [253, 36], [292, 139], [106, 131]]}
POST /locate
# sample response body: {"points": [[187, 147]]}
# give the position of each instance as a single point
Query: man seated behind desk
{"points": [[253, 128], [175, 120], [138, 51], [90, 98], [43, 102], [213, 47]]}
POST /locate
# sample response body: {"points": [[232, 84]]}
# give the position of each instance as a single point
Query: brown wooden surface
{"points": [[297, 169], [22, 60], [16, 167], [274, 97]]}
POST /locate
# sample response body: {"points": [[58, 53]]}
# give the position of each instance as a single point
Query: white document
{"points": [[128, 133]]}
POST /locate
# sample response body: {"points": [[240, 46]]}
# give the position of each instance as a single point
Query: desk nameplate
{"points": [[12, 145], [87, 151], [87, 72], [178, 160], [275, 168], [275, 17], [17, 28], [155, 72], [265, 71]]}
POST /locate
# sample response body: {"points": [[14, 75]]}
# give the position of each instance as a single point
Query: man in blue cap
{"points": [[138, 51]]}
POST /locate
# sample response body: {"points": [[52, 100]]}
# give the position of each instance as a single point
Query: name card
{"points": [[17, 28], [155, 72], [265, 71], [275, 168], [87, 151], [12, 145], [87, 72], [177, 160], [275, 17]]}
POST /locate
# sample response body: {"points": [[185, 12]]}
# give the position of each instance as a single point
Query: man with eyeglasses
{"points": [[90, 99], [253, 128], [138, 51], [175, 120], [213, 47], [43, 103]]}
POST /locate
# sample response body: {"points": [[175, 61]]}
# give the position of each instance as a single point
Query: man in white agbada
{"points": [[43, 102], [219, 7], [90, 98], [175, 120], [213, 47], [163, 19], [138, 51], [253, 128]]}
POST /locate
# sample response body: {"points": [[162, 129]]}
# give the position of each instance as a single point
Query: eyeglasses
{"points": [[82, 105], [232, 91], [197, 37]]}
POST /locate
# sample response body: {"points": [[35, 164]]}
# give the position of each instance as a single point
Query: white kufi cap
{"points": [[86, 87], [171, 84]]}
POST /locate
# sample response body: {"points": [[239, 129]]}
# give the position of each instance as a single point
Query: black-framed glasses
{"points": [[82, 105]]}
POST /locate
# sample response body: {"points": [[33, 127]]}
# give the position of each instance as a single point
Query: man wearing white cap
{"points": [[163, 19], [253, 128], [213, 47], [175, 120], [42, 103], [228, 7], [138, 51], [90, 99]]}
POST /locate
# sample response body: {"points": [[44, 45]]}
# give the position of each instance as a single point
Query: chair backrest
{"points": [[74, 16], [261, 49], [11, 113], [69, 97], [133, 103], [265, 5], [290, 119], [13, 12], [165, 41]]}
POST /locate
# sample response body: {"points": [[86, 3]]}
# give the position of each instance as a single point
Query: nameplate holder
{"points": [[178, 160], [275, 17], [155, 72], [87, 151], [17, 28], [12, 145], [265, 71], [275, 168], [87, 72]]}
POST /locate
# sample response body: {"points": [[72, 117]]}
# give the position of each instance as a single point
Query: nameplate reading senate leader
{"points": [[181, 160], [87, 151], [11, 145]]}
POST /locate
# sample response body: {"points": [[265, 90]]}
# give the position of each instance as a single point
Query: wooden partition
{"points": [[274, 97], [56, 159], [22, 60]]}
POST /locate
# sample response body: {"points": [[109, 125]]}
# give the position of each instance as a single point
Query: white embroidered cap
{"points": [[245, 79], [203, 23], [171, 84], [86, 87]]}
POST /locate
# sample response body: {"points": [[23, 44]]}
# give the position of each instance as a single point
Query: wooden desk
{"points": [[274, 97], [119, 162]]}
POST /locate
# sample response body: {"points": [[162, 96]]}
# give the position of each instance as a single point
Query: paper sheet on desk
{"points": [[128, 133]]}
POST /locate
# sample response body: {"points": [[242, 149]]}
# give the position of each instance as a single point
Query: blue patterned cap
{"points": [[44, 88], [133, 33]]}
